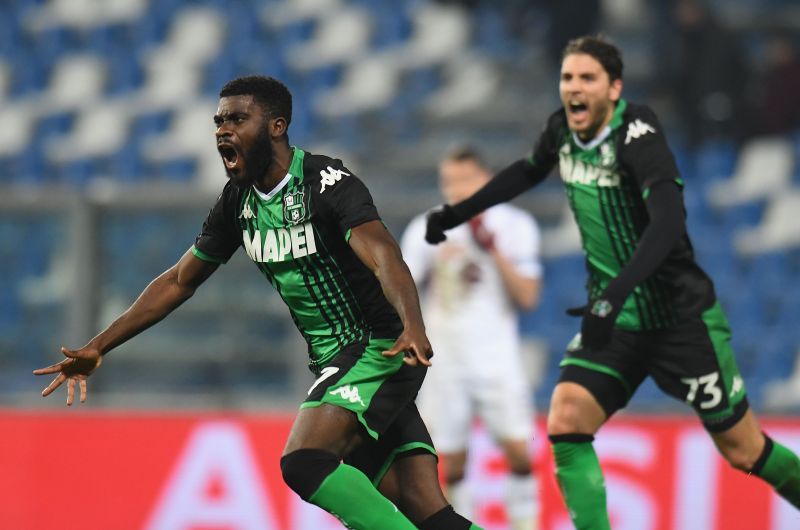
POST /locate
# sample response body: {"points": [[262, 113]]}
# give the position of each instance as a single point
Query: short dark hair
{"points": [[464, 153], [601, 49], [271, 94]]}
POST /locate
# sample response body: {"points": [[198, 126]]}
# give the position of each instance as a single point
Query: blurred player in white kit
{"points": [[473, 286]]}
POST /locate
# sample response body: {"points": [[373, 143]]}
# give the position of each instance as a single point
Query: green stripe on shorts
{"points": [[355, 390], [397, 450], [597, 367], [719, 332]]}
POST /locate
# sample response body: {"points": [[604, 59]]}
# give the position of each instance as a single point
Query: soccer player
{"points": [[651, 309], [478, 281], [311, 228]]}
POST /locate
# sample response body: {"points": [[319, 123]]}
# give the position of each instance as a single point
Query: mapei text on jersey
{"points": [[578, 171], [280, 244]]}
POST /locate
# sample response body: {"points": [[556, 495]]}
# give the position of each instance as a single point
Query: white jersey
{"points": [[473, 327], [465, 304]]}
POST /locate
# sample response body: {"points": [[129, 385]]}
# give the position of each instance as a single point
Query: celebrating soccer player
{"points": [[311, 228], [651, 309]]}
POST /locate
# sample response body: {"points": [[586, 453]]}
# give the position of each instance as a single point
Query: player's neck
{"points": [[590, 135], [281, 160]]}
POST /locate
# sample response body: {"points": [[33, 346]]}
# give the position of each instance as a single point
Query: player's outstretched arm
{"points": [[376, 247], [160, 298], [507, 184]]}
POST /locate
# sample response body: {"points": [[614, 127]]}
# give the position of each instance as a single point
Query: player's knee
{"points": [[518, 456], [573, 409], [520, 466], [565, 418], [305, 469], [453, 465], [740, 457], [454, 476]]}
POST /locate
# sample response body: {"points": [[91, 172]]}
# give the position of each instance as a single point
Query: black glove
{"points": [[439, 220], [576, 311], [598, 321]]}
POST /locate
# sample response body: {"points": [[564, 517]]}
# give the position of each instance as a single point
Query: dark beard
{"points": [[257, 161]]}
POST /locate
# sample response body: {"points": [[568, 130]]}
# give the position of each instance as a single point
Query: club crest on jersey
{"points": [[294, 209], [607, 156]]}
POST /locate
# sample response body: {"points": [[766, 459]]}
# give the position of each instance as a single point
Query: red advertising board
{"points": [[122, 471]]}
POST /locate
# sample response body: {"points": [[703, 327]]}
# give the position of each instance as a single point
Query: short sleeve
{"points": [[522, 245], [417, 253], [345, 196], [219, 237], [644, 151]]}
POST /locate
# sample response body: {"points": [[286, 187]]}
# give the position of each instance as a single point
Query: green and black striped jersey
{"points": [[607, 181], [297, 235]]}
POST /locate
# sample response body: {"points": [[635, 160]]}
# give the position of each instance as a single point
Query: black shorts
{"points": [[405, 435], [380, 391], [692, 361]]}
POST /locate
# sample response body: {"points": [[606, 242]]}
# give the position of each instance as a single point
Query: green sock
{"points": [[349, 496], [780, 467], [581, 481]]}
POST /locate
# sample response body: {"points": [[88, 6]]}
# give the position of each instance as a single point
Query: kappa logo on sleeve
{"points": [[330, 177], [636, 129]]}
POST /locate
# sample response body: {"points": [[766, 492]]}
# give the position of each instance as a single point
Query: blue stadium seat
{"points": [[54, 125], [151, 28], [774, 359], [126, 165], [25, 168], [178, 170], [788, 313], [304, 120], [391, 23], [56, 41], [244, 27], [77, 173], [124, 71], [28, 71], [102, 38], [295, 33], [745, 215], [714, 160], [322, 78], [11, 36], [492, 36]]}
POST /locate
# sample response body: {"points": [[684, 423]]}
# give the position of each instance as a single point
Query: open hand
{"points": [[77, 367]]}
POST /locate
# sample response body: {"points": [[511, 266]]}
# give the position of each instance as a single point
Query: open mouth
{"points": [[229, 154], [577, 107]]}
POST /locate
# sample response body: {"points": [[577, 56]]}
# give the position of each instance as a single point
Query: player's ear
{"points": [[277, 127], [615, 91]]}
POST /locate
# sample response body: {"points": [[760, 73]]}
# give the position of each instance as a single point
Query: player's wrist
{"points": [[449, 217], [603, 308], [99, 345]]}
